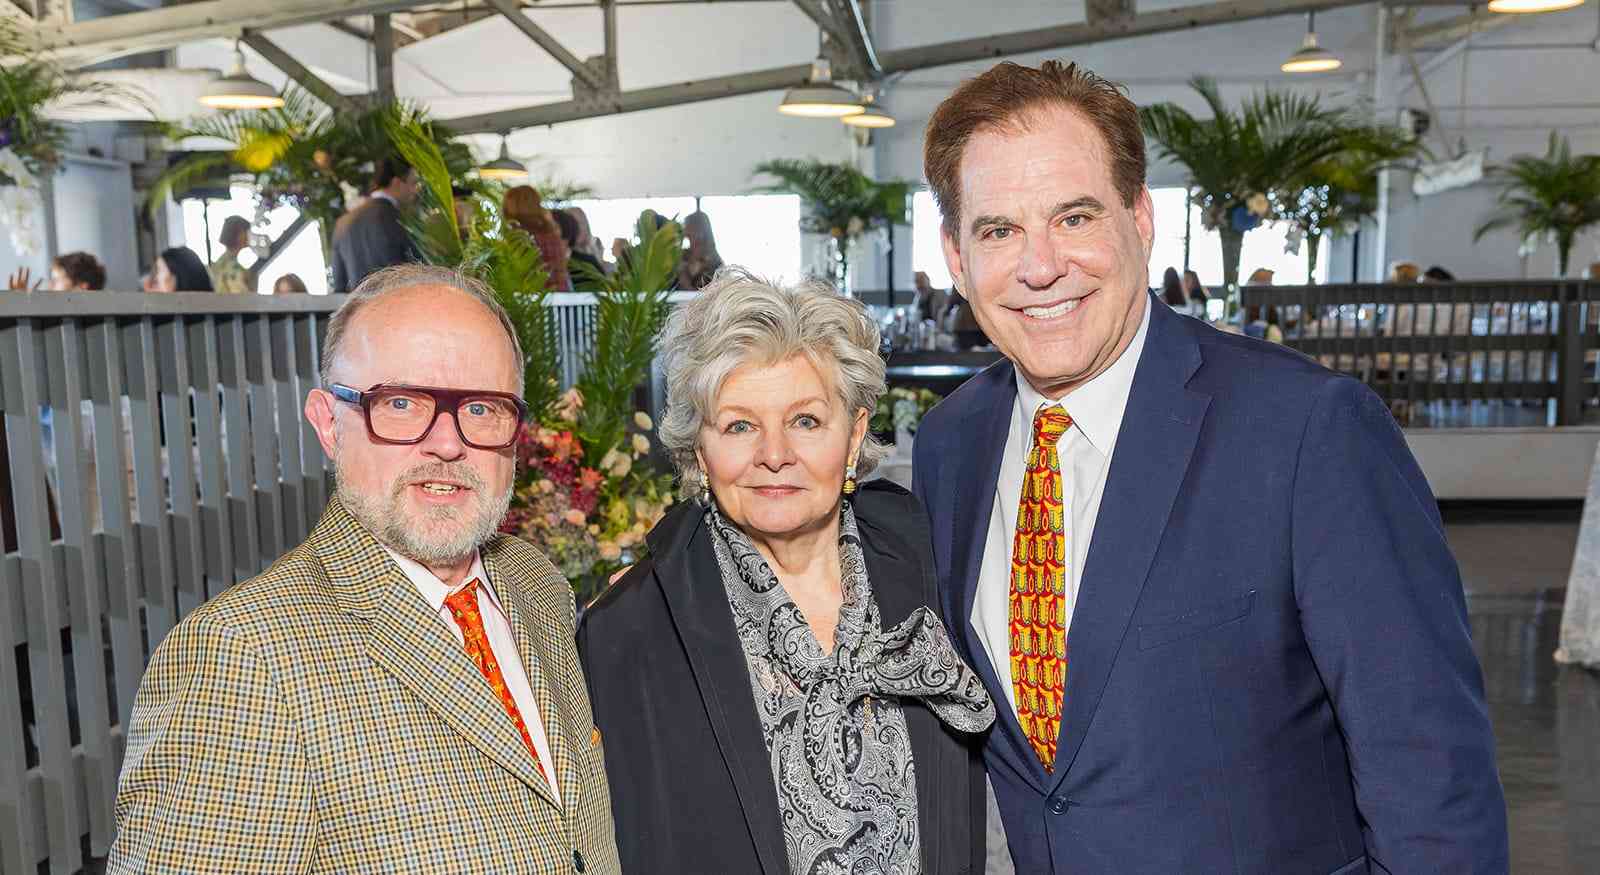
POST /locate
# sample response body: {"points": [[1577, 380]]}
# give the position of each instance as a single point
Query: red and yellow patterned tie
{"points": [[463, 605], [1039, 590]]}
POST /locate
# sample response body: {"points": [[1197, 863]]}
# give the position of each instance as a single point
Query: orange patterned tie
{"points": [[1039, 590], [463, 604]]}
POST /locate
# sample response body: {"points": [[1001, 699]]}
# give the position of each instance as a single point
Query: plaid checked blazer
{"points": [[319, 718]]}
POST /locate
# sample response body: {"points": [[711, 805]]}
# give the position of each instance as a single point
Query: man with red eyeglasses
{"points": [[400, 693]]}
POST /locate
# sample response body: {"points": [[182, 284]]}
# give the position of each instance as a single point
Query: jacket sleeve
{"points": [[1383, 612], [214, 779], [341, 275]]}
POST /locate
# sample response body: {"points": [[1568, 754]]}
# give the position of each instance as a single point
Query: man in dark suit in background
{"points": [[1203, 577], [370, 237]]}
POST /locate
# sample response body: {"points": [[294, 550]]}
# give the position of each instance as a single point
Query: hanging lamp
{"points": [[504, 167], [237, 89], [819, 97], [1311, 57]]}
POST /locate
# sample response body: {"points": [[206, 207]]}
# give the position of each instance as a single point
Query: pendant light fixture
{"points": [[1528, 7], [819, 97], [504, 167], [873, 115], [1310, 57], [237, 89]]}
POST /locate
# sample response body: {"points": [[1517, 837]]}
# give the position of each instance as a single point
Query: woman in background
{"points": [[702, 261], [289, 284], [178, 269], [582, 281], [524, 209], [1172, 291], [1196, 292], [228, 276]]}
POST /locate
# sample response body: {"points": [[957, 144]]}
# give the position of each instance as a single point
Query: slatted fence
{"points": [[1512, 349]]}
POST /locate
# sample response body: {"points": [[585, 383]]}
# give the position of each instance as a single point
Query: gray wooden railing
{"points": [[1523, 347], [176, 462], [180, 465]]}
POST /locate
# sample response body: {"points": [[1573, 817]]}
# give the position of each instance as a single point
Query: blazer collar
{"points": [[691, 583], [408, 640], [1159, 432]]}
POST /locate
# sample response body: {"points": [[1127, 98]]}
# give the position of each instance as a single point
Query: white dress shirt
{"points": [[1085, 451], [497, 627]]}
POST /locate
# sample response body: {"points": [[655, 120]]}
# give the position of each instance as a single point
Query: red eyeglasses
{"points": [[397, 413]]}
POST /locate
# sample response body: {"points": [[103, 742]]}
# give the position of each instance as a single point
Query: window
{"points": [[1263, 247], [202, 222], [756, 231]]}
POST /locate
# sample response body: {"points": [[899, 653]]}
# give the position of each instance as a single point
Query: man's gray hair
{"points": [[406, 276], [741, 319]]}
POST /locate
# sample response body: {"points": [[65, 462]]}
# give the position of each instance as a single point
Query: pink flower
{"points": [[575, 517]]}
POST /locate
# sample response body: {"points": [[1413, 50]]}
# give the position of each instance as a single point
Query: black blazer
{"points": [[692, 790], [368, 239]]}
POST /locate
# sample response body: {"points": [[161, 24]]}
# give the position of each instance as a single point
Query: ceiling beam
{"points": [[298, 72], [115, 36], [841, 36], [897, 61], [512, 10], [1451, 29], [858, 36]]}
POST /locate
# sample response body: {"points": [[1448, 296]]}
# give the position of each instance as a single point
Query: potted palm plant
{"points": [[1556, 196], [1334, 195], [31, 86], [1237, 160], [840, 202], [302, 154]]}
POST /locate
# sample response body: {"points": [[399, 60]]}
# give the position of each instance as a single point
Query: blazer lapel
{"points": [[975, 470], [533, 621], [690, 581], [405, 639], [1159, 430]]}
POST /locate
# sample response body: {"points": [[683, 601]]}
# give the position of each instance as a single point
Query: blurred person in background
{"points": [[582, 281], [228, 276], [701, 262], [1172, 291], [1196, 292], [1404, 272], [1437, 274], [587, 241], [932, 303], [289, 284], [72, 272], [525, 209], [178, 269], [371, 237]]}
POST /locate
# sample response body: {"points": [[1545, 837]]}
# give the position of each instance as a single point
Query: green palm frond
{"points": [[1556, 195], [632, 306], [835, 194], [31, 85]]}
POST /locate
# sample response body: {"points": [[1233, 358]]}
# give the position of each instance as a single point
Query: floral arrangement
{"points": [[902, 410], [21, 204], [589, 518]]}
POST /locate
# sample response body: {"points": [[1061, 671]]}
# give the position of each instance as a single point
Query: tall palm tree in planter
{"points": [[1237, 160], [1333, 196], [1556, 196], [839, 201]]}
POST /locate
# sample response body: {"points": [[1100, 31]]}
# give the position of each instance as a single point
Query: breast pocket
{"points": [[1196, 621]]}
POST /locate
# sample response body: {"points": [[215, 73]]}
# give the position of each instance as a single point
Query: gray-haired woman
{"points": [[774, 691]]}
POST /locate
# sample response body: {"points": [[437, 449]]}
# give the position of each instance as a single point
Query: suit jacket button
{"points": [[577, 860], [1059, 805]]}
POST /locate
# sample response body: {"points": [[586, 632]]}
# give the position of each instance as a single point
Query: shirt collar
{"points": [[1097, 406], [380, 194], [432, 589]]}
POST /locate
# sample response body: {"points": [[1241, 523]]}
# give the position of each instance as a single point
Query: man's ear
{"points": [[1144, 218], [952, 259], [319, 411]]}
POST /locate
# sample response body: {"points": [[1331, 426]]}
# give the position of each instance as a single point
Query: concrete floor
{"points": [[1514, 564]]}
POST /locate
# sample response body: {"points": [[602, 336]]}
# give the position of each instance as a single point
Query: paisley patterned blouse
{"points": [[836, 734]]}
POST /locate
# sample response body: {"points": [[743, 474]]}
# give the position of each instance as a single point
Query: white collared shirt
{"points": [[1085, 452], [497, 627], [380, 194]]}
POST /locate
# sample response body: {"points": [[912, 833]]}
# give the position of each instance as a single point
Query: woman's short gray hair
{"points": [[741, 319]]}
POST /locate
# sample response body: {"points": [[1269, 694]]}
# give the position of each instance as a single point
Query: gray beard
{"points": [[436, 536]]}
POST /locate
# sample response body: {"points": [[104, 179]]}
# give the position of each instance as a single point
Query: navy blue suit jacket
{"points": [[1270, 667]]}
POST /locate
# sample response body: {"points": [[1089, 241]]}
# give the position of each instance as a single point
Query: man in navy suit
{"points": [[1235, 639]]}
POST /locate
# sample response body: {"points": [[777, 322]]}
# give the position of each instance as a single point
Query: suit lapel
{"points": [[975, 472], [1159, 430], [407, 640], [692, 586], [528, 613]]}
